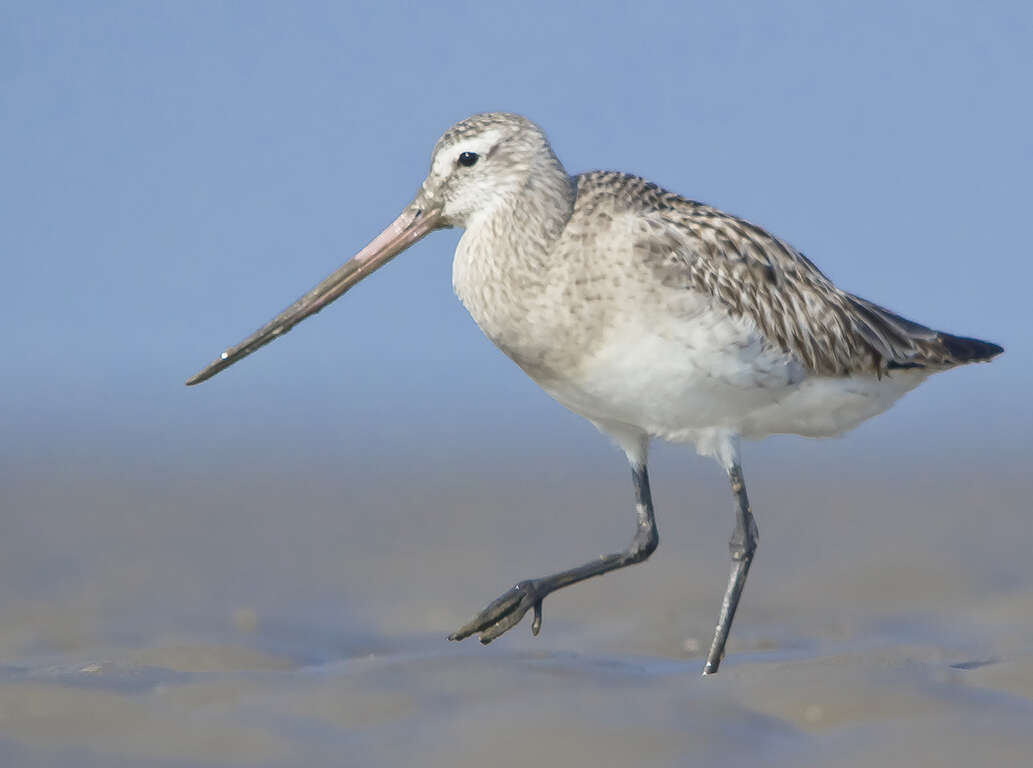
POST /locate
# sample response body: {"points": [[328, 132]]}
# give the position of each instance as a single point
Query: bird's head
{"points": [[480, 164]]}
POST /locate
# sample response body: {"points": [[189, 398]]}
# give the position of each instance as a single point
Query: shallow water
{"points": [[166, 609]]}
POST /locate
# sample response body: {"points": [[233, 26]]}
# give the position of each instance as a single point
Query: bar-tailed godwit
{"points": [[651, 315]]}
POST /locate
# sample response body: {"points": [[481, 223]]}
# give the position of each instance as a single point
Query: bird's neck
{"points": [[504, 263], [524, 224]]}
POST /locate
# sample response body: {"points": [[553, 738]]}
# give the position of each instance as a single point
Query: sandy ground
{"points": [[164, 608]]}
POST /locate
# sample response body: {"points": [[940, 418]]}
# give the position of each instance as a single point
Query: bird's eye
{"points": [[467, 159]]}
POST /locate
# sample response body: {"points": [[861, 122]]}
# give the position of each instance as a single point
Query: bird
{"points": [[653, 316]]}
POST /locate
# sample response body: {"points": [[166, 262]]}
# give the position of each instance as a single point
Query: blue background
{"points": [[176, 173]]}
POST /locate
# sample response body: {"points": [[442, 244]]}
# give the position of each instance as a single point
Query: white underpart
{"points": [[710, 380]]}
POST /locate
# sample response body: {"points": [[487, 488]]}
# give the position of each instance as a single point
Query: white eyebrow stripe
{"points": [[482, 144]]}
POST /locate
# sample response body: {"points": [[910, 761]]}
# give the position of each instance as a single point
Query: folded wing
{"points": [[755, 275]]}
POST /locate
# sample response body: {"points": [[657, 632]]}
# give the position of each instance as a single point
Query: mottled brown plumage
{"points": [[754, 274]]}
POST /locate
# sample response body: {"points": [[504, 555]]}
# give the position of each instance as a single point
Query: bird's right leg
{"points": [[507, 611]]}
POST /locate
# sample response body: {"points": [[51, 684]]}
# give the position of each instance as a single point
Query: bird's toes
{"points": [[503, 625], [491, 614], [503, 614]]}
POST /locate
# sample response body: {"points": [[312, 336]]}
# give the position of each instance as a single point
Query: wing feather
{"points": [[755, 275]]}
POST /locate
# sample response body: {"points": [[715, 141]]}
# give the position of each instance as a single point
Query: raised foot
{"points": [[505, 613]]}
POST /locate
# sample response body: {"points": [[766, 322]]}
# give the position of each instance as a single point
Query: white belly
{"points": [[684, 382]]}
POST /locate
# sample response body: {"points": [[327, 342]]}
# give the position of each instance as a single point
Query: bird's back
{"points": [[753, 275]]}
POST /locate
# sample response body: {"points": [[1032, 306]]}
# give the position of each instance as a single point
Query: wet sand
{"points": [[163, 608]]}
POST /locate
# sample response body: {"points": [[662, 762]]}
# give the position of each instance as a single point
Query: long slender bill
{"points": [[414, 223]]}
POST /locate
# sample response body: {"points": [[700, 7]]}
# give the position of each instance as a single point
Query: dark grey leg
{"points": [[505, 613], [742, 546]]}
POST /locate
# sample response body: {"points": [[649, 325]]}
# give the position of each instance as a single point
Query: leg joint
{"points": [[645, 542], [743, 543]]}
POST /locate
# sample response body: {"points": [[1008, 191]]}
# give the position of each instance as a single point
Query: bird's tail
{"points": [[903, 343], [945, 350], [962, 349]]}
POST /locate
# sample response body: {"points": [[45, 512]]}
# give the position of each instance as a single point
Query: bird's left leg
{"points": [[507, 611], [742, 546]]}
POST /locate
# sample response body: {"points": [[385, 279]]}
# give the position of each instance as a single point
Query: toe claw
{"points": [[536, 623]]}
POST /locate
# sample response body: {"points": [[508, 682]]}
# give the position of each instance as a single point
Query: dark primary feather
{"points": [[755, 275]]}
